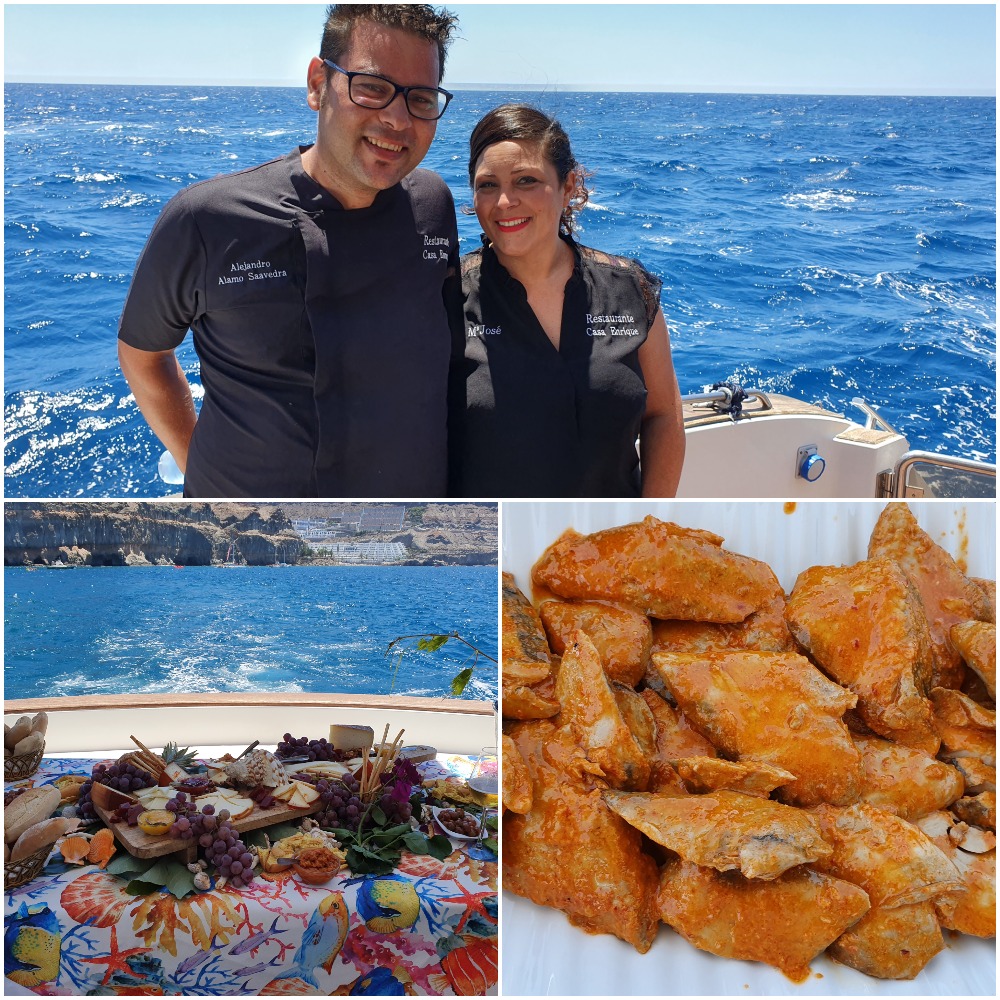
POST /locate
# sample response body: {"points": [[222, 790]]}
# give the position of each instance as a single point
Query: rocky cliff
{"points": [[200, 534], [127, 534]]}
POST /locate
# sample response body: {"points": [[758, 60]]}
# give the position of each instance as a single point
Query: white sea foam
{"points": [[818, 201], [128, 200]]}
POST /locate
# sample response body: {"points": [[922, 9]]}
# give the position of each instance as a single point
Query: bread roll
{"points": [[30, 743], [40, 723], [27, 809], [17, 732], [40, 835]]}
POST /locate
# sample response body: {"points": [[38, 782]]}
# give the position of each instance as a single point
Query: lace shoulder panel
{"points": [[472, 262], [649, 285]]}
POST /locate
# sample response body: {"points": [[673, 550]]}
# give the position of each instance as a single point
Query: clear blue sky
{"points": [[763, 48]]}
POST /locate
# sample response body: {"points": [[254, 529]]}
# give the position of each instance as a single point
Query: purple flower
{"points": [[405, 769]]}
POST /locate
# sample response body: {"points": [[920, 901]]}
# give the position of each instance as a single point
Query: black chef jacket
{"points": [[322, 333]]}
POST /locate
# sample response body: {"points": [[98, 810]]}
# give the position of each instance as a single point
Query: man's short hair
{"points": [[434, 24]]}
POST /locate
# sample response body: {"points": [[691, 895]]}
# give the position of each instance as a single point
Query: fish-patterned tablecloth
{"points": [[428, 928]]}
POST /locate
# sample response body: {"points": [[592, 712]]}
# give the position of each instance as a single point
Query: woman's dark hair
{"points": [[514, 122]]}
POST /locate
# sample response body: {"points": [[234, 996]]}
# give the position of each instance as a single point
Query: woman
{"points": [[567, 357]]}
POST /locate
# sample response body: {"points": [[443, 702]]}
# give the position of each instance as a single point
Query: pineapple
{"points": [[178, 760]]}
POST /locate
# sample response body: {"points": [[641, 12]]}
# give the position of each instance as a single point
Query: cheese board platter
{"points": [[142, 845]]}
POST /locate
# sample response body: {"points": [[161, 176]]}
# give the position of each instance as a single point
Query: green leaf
{"points": [[126, 866], [137, 887], [397, 831], [363, 862], [273, 833], [439, 847], [459, 681], [379, 816], [434, 643], [492, 822], [491, 844], [416, 842]]}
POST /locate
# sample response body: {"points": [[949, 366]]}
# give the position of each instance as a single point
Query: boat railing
{"points": [[939, 476], [92, 722], [874, 421], [721, 399]]}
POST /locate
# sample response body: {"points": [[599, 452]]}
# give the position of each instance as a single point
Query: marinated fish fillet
{"points": [[966, 728], [658, 569], [528, 688], [865, 626], [977, 775], [948, 595], [973, 910], [621, 636], [979, 810], [893, 943], [976, 642], [570, 851], [903, 873], [674, 739], [989, 588], [785, 922], [903, 781], [725, 830], [588, 708], [710, 774], [675, 736], [764, 630], [516, 778], [893, 861], [637, 716], [771, 707]]}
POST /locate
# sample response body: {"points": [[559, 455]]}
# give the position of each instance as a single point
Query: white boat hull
{"points": [[758, 456], [103, 725]]}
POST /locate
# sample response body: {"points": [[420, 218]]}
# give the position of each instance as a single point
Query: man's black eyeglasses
{"points": [[370, 91]]}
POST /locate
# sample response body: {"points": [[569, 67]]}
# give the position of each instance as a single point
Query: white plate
{"points": [[437, 810], [543, 955]]}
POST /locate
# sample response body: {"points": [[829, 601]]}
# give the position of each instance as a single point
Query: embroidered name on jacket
{"points": [[616, 326], [251, 270], [436, 247]]}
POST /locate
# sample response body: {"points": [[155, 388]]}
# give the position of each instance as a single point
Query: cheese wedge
{"points": [[156, 797], [323, 768], [224, 798]]}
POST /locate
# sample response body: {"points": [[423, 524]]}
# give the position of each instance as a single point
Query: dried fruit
{"points": [[156, 822]]}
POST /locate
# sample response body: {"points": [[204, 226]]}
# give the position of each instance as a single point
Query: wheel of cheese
{"points": [[352, 737]]}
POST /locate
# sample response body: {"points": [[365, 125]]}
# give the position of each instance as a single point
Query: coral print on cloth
{"points": [[430, 927]]}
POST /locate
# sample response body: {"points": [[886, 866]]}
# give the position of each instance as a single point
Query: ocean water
{"points": [[826, 247], [162, 629]]}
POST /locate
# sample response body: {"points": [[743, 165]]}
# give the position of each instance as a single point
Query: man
{"points": [[313, 287]]}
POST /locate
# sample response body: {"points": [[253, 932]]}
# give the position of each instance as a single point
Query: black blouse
{"points": [[545, 422]]}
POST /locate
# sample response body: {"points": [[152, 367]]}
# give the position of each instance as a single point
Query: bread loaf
{"points": [[40, 835], [40, 723], [30, 743], [27, 809], [17, 732]]}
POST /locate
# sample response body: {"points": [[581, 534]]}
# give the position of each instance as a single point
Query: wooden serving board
{"points": [[142, 845]]}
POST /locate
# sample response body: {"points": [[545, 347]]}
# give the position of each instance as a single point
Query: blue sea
{"points": [[826, 247], [161, 629]]}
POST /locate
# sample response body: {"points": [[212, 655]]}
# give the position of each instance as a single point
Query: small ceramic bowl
{"points": [[317, 865]]}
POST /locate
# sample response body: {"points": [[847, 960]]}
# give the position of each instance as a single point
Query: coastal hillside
{"points": [[202, 534]]}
